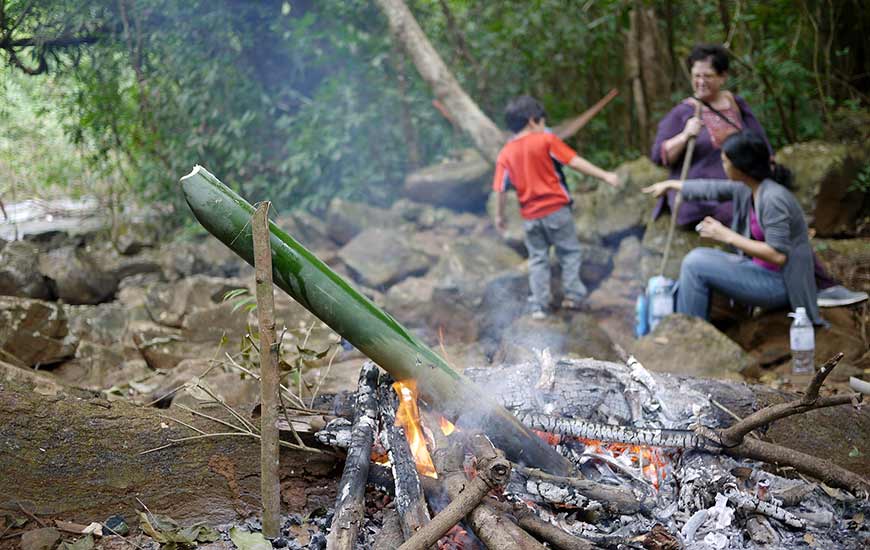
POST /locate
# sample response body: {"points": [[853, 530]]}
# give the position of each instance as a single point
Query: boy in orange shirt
{"points": [[531, 162]]}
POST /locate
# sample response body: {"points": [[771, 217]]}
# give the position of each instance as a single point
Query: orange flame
{"points": [[447, 426], [408, 417]]}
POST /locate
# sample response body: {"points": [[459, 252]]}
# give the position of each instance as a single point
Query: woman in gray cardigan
{"points": [[773, 267]]}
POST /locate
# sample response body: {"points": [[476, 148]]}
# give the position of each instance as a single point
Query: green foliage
{"points": [[299, 101], [862, 180]]}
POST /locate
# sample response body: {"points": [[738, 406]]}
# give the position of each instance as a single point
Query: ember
{"points": [[408, 417]]}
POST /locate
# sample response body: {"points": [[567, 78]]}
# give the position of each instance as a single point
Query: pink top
{"points": [[758, 235]]}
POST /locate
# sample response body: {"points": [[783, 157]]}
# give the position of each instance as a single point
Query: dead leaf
{"points": [[810, 539], [858, 518], [662, 340], [832, 492], [83, 543], [249, 541], [303, 536]]}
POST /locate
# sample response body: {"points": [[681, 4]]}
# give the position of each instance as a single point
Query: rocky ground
{"points": [[135, 314]]}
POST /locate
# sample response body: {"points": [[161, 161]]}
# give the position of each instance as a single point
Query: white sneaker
{"points": [[839, 295]]}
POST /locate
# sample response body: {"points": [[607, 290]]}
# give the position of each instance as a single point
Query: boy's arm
{"points": [[500, 222], [585, 167]]}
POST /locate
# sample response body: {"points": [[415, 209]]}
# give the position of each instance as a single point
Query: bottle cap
{"points": [[801, 311]]}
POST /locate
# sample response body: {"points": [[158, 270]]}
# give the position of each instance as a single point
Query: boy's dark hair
{"points": [[748, 152], [717, 55], [520, 110]]}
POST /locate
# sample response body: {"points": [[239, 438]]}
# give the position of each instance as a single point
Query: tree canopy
{"points": [[303, 100]]}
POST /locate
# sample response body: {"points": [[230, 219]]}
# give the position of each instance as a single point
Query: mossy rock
{"points": [[823, 175]]}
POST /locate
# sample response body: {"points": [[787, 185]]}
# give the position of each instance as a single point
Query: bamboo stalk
{"points": [[330, 298], [270, 485]]}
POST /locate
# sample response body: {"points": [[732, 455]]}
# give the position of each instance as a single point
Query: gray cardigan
{"points": [[782, 220]]}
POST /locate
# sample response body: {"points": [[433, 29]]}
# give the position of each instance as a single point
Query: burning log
{"points": [[349, 506], [410, 502], [329, 297], [682, 439]]}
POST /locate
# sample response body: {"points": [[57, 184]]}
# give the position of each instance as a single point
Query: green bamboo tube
{"points": [[375, 333]]}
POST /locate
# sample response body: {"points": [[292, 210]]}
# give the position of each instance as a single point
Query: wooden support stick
{"points": [[270, 484], [571, 126], [349, 505], [410, 502]]}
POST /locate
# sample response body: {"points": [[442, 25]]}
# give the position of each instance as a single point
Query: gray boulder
{"points": [[79, 278], [311, 231], [33, 332], [381, 257], [824, 173], [690, 346], [469, 262], [208, 256], [19, 272], [654, 242], [609, 214], [103, 324], [458, 184], [346, 219], [170, 303]]}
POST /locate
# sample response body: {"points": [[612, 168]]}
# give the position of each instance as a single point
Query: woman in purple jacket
{"points": [[721, 114]]}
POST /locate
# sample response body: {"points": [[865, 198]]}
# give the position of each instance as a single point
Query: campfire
{"points": [[451, 488]]}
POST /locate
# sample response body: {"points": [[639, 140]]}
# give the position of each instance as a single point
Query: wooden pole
{"points": [[270, 485]]}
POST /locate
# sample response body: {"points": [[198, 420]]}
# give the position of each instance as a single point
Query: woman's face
{"points": [[706, 82]]}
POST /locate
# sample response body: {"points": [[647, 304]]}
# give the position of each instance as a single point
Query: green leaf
{"points": [[855, 453], [249, 541]]}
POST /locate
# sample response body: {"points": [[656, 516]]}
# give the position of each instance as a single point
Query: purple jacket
{"points": [[706, 162]]}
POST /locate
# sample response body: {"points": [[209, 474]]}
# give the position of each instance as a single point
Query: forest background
{"points": [[304, 100]]}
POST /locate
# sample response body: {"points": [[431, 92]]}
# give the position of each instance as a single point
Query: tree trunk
{"points": [[76, 456], [484, 134]]}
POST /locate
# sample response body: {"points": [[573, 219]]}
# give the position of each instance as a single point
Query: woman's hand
{"points": [[711, 228], [693, 126], [658, 189]]}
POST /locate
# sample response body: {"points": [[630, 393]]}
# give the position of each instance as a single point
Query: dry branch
{"points": [[528, 520], [734, 443], [578, 493], [349, 505]]}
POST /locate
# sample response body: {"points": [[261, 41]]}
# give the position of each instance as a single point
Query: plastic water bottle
{"points": [[661, 299], [803, 343], [641, 316]]}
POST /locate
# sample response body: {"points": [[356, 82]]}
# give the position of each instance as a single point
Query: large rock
{"points": [[470, 262], [346, 219], [103, 324], [459, 184], [169, 303], [410, 301], [824, 172], [311, 231], [205, 256], [97, 368], [33, 332], [381, 257], [79, 278], [609, 214], [19, 272], [690, 346], [513, 235]]}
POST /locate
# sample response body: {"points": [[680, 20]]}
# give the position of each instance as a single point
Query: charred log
{"points": [[409, 499], [349, 506]]}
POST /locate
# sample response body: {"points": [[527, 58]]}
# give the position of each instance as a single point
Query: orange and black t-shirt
{"points": [[532, 164]]}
